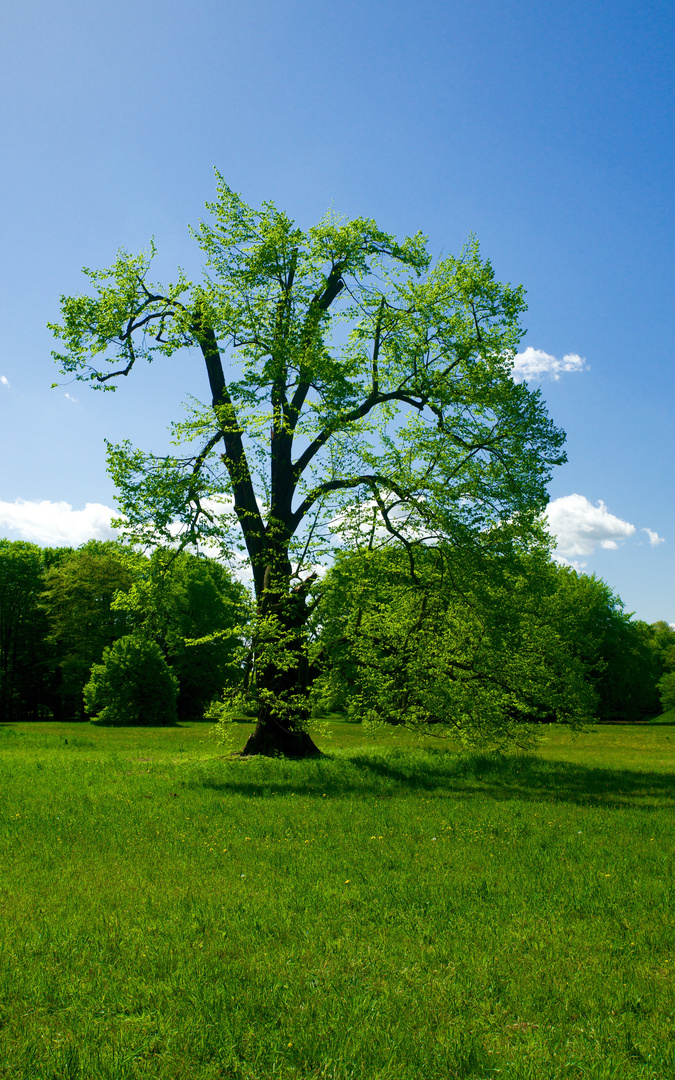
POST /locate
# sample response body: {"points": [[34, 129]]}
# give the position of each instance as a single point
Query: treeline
{"points": [[63, 609], [103, 630]]}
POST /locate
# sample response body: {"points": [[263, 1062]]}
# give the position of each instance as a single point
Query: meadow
{"points": [[391, 911]]}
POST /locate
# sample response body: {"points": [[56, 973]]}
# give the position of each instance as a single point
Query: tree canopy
{"points": [[479, 645], [193, 609], [78, 598], [354, 384]]}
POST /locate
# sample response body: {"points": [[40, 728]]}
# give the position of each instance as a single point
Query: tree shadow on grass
{"points": [[463, 776]]}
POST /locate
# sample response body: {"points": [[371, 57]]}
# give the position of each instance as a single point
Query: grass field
{"points": [[391, 910]]}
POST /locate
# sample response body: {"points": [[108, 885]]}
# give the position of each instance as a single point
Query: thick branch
{"points": [[131, 325], [234, 458], [125, 371], [202, 456], [320, 302], [370, 480], [376, 350], [348, 418]]}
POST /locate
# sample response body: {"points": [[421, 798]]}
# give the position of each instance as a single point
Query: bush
{"points": [[133, 685], [667, 691]]}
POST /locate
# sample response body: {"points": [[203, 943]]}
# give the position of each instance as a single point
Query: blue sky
{"points": [[546, 129]]}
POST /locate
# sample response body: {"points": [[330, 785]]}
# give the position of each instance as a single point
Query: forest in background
{"points": [[378, 650], [61, 608]]}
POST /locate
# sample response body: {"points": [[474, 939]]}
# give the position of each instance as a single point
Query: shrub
{"points": [[667, 691], [133, 685]]}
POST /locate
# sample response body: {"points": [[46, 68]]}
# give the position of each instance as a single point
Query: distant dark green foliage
{"points": [[667, 690], [80, 587], [24, 652], [476, 637], [133, 685], [61, 607], [662, 640], [103, 591], [616, 651]]}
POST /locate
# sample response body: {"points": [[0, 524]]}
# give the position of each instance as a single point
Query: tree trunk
{"points": [[281, 670], [271, 740], [283, 712]]}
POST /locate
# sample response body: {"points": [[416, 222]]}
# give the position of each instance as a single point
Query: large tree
{"points": [[351, 381]]}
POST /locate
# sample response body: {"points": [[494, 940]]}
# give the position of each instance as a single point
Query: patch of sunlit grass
{"points": [[388, 911]]}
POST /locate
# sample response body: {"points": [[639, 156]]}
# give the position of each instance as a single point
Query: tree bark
{"points": [[282, 670], [271, 740]]}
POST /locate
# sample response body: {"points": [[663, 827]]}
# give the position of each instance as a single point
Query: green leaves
{"points": [[24, 654], [465, 645], [350, 379], [349, 355], [120, 321], [133, 685]]}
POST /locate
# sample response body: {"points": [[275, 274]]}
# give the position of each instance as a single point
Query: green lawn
{"points": [[391, 910]]}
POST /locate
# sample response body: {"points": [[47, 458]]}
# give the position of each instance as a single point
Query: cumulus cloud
{"points": [[579, 527], [4, 381], [654, 538], [55, 524], [535, 364]]}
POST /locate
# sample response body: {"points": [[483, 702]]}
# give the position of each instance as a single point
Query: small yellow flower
{"points": [[347, 881]]}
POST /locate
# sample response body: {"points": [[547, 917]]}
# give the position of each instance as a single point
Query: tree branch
{"points": [[370, 480], [320, 302], [234, 458], [129, 345], [349, 418], [376, 350]]}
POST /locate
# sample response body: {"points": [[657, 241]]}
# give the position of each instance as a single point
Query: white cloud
{"points": [[69, 396], [579, 527], [56, 524], [535, 364], [654, 538], [4, 381]]}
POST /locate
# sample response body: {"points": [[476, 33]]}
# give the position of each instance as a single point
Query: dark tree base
{"points": [[272, 741]]}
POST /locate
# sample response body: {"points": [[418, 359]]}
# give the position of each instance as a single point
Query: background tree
{"points": [[662, 641], [193, 609], [348, 375], [133, 685], [617, 652], [666, 688], [78, 600]]}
